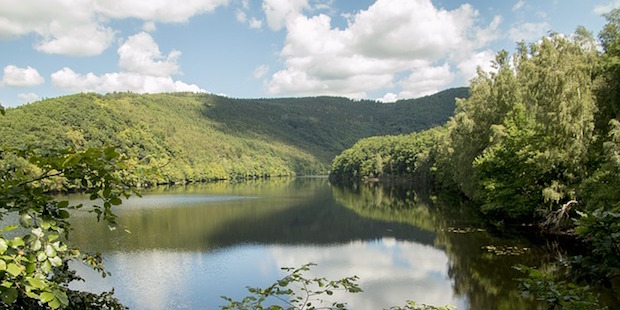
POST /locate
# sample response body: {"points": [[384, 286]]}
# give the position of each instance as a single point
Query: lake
{"points": [[189, 245]]}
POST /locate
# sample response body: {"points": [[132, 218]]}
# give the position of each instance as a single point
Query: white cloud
{"points": [[149, 26], [252, 22], [143, 70], [162, 10], [69, 80], [260, 71], [468, 67], [255, 23], [80, 28], [426, 81], [528, 31], [140, 54], [63, 27], [279, 12], [607, 7], [241, 16], [390, 38], [28, 97], [21, 77], [518, 5], [389, 97]]}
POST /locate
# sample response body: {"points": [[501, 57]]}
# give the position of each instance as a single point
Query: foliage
{"points": [[600, 230], [510, 173], [538, 134], [296, 292], [519, 145], [34, 260], [200, 137], [405, 156], [556, 294]]}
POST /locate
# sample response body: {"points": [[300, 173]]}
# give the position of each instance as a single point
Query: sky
{"points": [[380, 50]]}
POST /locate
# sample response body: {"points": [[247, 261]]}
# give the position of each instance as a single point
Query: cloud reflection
{"points": [[390, 271]]}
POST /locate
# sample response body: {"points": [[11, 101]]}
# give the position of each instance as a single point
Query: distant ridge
{"points": [[196, 137]]}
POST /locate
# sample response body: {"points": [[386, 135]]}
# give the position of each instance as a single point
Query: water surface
{"points": [[188, 246]]}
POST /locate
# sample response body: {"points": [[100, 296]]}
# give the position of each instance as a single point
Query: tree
{"points": [[34, 260]]}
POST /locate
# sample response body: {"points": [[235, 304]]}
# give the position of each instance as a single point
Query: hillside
{"points": [[194, 137]]}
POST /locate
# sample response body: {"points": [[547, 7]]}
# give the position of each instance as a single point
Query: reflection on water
{"points": [[390, 271], [190, 245]]}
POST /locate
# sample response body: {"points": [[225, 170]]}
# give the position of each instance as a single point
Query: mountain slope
{"points": [[195, 137]]}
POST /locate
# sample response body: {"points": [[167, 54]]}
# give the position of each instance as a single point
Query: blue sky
{"points": [[383, 49]]}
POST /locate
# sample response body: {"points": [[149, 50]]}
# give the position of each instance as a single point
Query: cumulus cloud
{"points": [[391, 38], [528, 31], [426, 81], [389, 97], [81, 28], [469, 67], [28, 97], [279, 12], [143, 70], [21, 77], [69, 80], [140, 54], [607, 7], [162, 10]]}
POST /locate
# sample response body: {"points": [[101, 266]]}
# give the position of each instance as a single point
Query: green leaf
{"points": [[62, 297], [36, 283], [63, 214], [8, 228], [110, 153], [47, 297], [36, 245], [50, 251], [2, 265], [55, 261], [106, 192], [116, 201], [9, 295], [17, 242], [63, 204], [46, 267], [13, 269], [37, 232], [3, 245], [30, 268], [54, 304], [46, 225]]}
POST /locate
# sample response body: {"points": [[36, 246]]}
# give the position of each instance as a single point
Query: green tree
{"points": [[34, 259], [492, 95]]}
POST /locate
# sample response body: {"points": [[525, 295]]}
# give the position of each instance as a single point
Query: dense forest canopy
{"points": [[536, 132], [197, 137]]}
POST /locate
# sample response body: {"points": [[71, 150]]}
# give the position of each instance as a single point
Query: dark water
{"points": [[188, 246]]}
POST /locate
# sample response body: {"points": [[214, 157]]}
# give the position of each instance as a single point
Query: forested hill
{"points": [[194, 137], [325, 126]]}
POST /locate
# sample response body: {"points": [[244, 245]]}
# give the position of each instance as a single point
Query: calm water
{"points": [[188, 246]]}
